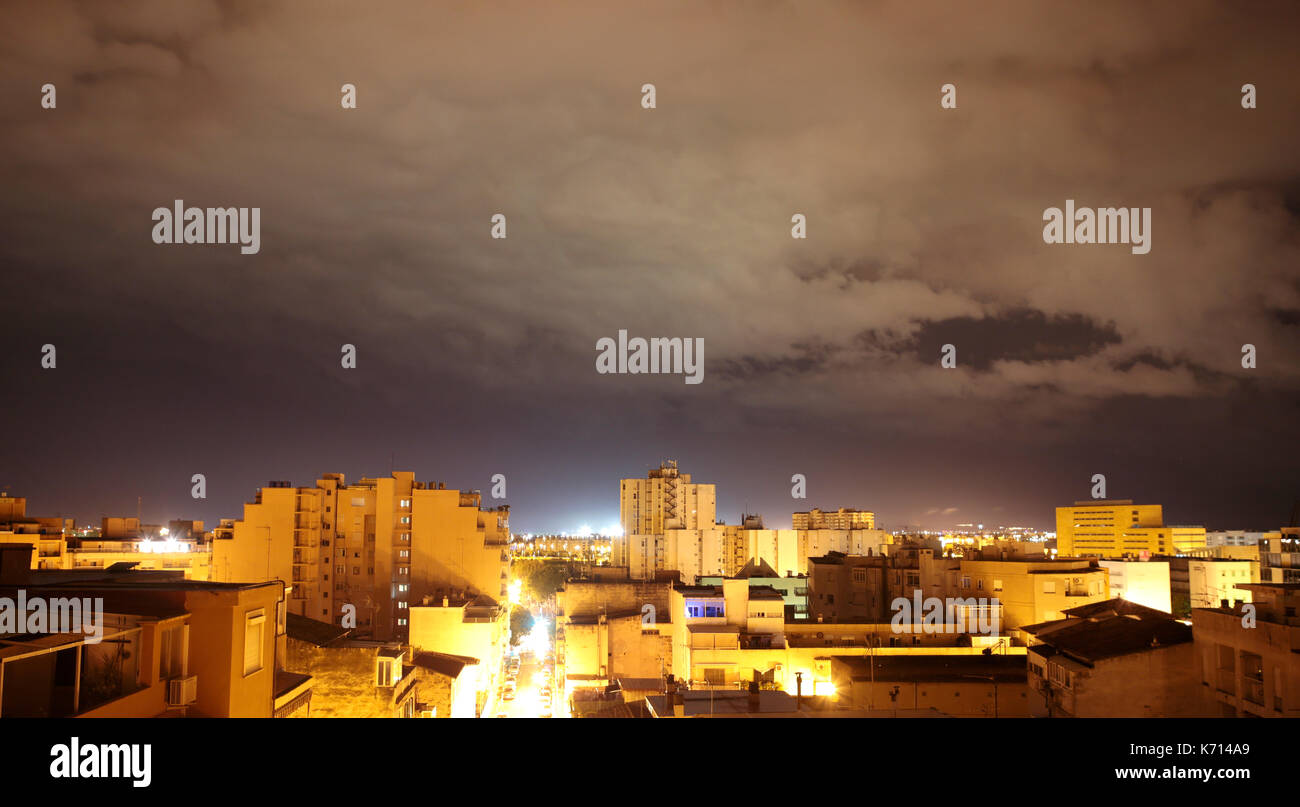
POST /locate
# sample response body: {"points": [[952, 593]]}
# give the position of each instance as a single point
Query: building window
{"points": [[997, 584], [1049, 586], [406, 519], [387, 673], [172, 661], [1060, 676], [254, 633]]}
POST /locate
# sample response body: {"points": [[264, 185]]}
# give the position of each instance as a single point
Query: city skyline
{"points": [[599, 523]]}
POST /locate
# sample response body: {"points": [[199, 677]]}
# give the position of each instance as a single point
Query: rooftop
{"points": [[443, 663], [313, 631], [934, 668], [756, 567], [724, 703], [1096, 638], [1116, 606]]}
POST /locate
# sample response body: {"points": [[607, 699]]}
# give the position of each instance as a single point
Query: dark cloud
{"points": [[1025, 336], [924, 229]]}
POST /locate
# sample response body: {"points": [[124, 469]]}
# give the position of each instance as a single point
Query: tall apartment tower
{"points": [[378, 546], [665, 500]]}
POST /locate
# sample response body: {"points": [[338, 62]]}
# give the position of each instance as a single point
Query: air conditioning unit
{"points": [[182, 691]]}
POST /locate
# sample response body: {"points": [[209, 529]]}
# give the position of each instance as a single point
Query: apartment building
{"points": [[45, 534], [1145, 582], [474, 627], [665, 500], [358, 678], [611, 628], [815, 543], [176, 547], [1233, 537], [170, 646], [1249, 654], [1113, 659], [849, 588], [729, 635], [1280, 556], [845, 518], [1031, 591], [1208, 582], [1116, 528], [368, 550], [794, 590], [722, 635]]}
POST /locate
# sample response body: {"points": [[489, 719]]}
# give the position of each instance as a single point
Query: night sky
{"points": [[477, 356]]}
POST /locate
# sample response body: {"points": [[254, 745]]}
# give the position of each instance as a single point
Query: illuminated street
{"points": [[531, 681]]}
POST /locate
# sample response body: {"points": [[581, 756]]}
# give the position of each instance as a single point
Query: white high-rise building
{"points": [[665, 500]]}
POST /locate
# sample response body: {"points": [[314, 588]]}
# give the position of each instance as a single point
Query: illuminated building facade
{"points": [[845, 518], [369, 549]]}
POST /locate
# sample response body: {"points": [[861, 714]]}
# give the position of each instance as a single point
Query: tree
{"points": [[541, 578], [521, 623]]}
